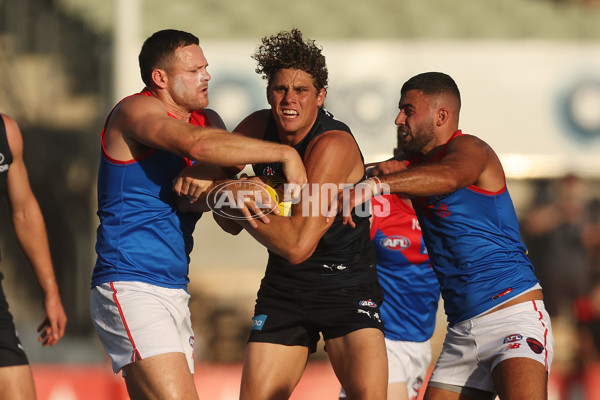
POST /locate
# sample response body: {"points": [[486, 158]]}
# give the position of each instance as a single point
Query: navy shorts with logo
{"points": [[11, 350], [296, 317]]}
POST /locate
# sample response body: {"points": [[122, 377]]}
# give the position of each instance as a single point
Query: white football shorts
{"points": [[473, 348], [136, 320], [408, 362]]}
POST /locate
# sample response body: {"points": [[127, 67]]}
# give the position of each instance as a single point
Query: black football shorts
{"points": [[11, 350], [297, 317]]}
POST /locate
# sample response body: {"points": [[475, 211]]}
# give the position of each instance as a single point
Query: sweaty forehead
{"points": [[292, 77], [190, 55]]}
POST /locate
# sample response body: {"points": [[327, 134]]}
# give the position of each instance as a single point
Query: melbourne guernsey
{"points": [[475, 247], [142, 236], [411, 288]]}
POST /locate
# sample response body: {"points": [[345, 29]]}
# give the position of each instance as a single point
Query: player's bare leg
{"points": [[272, 371], [397, 391], [521, 378], [362, 369], [161, 377], [16, 383]]}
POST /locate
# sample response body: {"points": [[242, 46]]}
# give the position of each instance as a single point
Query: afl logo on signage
{"points": [[395, 242], [579, 107]]}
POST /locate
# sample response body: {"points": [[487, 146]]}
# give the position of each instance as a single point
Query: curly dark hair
{"points": [[289, 50]]}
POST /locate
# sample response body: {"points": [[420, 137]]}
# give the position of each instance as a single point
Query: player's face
{"points": [[294, 102], [188, 78], [415, 123]]}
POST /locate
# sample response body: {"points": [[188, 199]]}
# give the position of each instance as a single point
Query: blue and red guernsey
{"points": [[142, 236], [475, 247], [409, 283]]}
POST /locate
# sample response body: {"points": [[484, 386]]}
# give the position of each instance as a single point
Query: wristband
{"points": [[375, 185]]}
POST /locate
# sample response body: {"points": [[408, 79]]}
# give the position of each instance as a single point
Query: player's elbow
{"points": [[449, 187], [201, 150], [296, 257], [228, 225], [300, 253], [232, 229], [449, 184]]}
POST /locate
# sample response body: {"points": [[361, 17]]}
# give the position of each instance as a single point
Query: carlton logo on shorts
{"points": [[535, 345], [258, 322], [367, 303]]}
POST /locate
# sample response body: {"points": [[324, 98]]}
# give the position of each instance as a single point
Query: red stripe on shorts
{"points": [[135, 350], [545, 333]]}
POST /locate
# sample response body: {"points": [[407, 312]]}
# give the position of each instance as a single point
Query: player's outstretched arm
{"points": [[468, 161], [31, 233], [144, 120]]}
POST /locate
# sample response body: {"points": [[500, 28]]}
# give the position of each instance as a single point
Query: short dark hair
{"points": [[432, 83], [157, 51], [290, 50]]}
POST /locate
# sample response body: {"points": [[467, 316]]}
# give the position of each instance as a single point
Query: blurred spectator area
{"points": [[55, 79], [561, 229], [375, 19]]}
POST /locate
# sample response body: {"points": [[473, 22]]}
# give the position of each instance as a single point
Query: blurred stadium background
{"points": [[528, 70]]}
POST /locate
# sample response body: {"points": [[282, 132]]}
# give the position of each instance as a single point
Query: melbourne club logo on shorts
{"points": [[258, 322], [535, 345]]}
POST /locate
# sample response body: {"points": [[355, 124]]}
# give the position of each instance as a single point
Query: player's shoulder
{"points": [[214, 118], [468, 142], [139, 105], [334, 149], [255, 124], [467, 138], [260, 116], [329, 122], [334, 138]]}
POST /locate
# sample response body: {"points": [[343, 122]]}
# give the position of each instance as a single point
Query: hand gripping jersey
{"points": [[344, 256], [475, 247], [410, 286], [142, 236]]}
